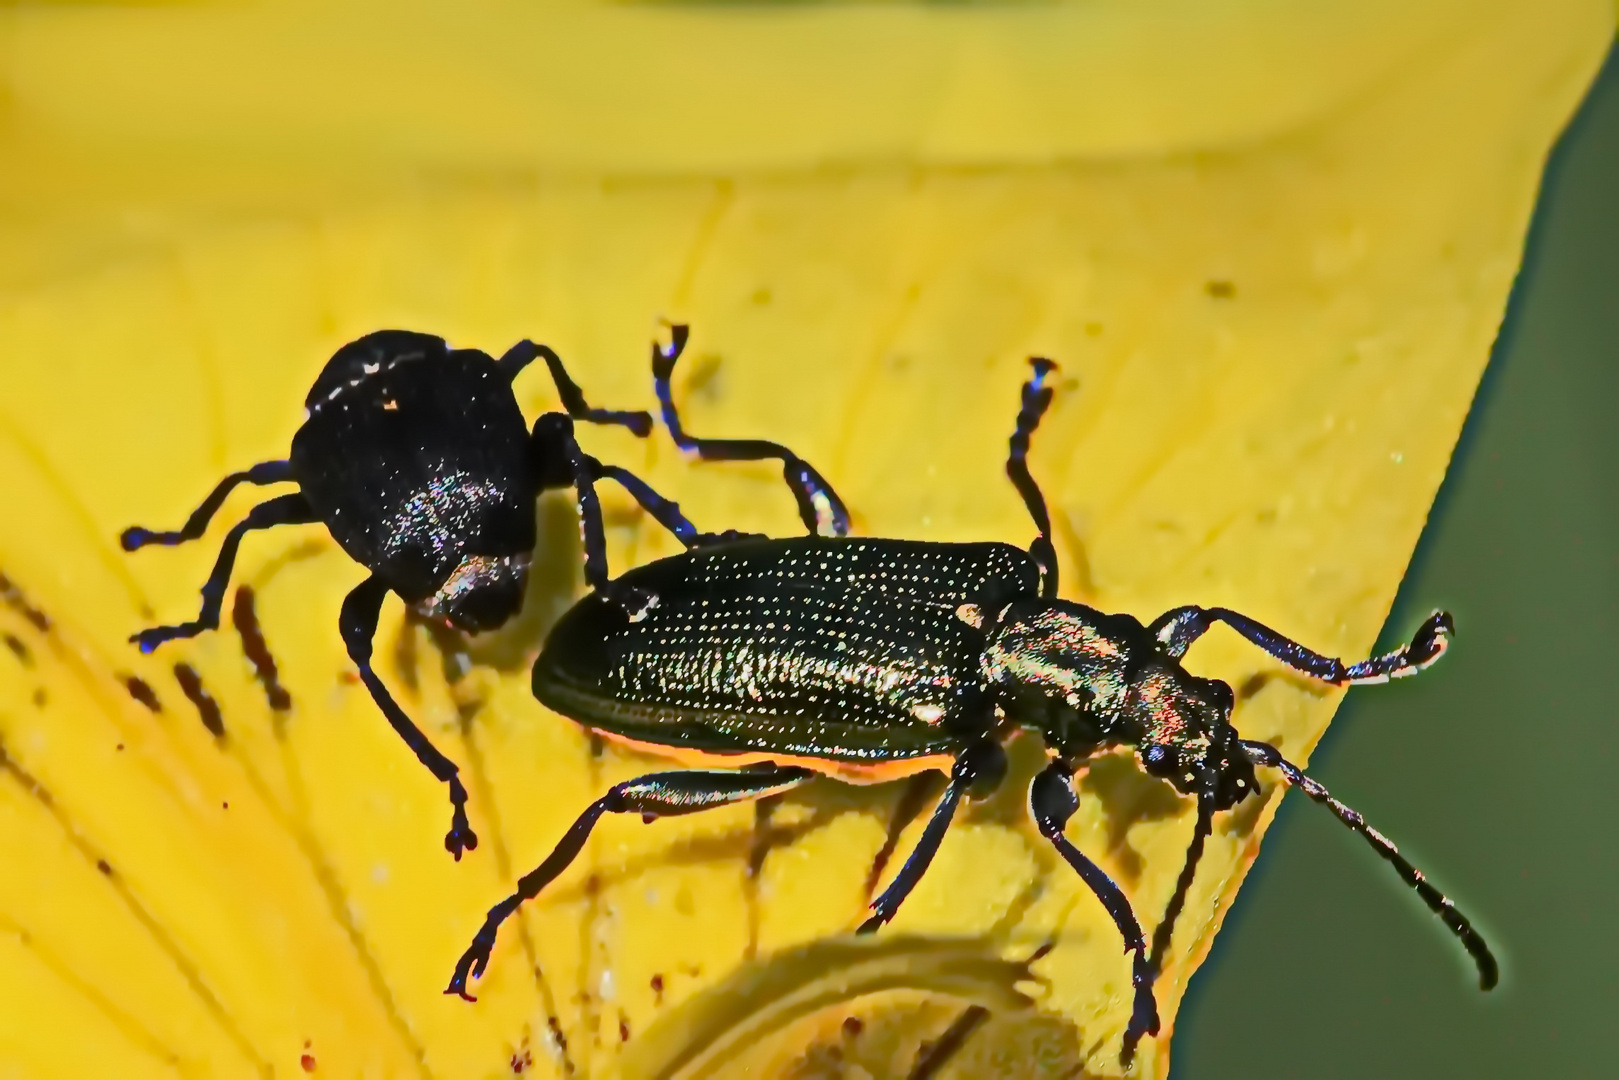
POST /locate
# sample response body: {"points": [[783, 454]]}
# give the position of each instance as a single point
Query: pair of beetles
{"points": [[768, 661]]}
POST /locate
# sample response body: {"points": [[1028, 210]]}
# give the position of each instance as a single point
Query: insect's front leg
{"points": [[1177, 629], [655, 795], [1051, 803], [358, 622]]}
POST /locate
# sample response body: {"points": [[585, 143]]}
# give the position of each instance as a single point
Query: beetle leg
{"points": [[819, 507], [664, 794], [1035, 400], [979, 760], [1178, 628], [522, 354], [1052, 802], [265, 472], [592, 534], [665, 512], [281, 510], [1261, 753], [358, 623]]}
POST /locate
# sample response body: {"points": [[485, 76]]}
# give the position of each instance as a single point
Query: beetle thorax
{"points": [[1063, 668]]}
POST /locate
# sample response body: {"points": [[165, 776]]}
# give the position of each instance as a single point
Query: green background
{"points": [[1495, 771]]}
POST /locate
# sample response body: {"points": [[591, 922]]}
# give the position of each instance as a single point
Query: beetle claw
{"points": [[460, 838]]}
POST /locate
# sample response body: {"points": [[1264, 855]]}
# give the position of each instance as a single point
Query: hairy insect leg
{"points": [[1261, 753], [819, 507], [655, 795], [281, 510], [1052, 802], [1178, 628], [358, 622], [265, 472], [1036, 398], [522, 354], [978, 766]]}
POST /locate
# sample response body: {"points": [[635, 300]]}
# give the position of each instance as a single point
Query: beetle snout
{"points": [[481, 594]]}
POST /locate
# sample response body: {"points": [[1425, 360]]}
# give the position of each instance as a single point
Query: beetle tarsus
{"points": [[819, 506], [460, 838]]}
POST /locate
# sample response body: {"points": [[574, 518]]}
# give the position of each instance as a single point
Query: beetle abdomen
{"points": [[843, 649]]}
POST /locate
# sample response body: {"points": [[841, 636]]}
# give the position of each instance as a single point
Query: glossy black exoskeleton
{"points": [[418, 461], [772, 661]]}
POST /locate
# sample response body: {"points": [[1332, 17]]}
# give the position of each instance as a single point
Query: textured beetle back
{"points": [[414, 456], [852, 648]]}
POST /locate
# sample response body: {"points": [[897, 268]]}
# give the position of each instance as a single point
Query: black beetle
{"points": [[417, 459], [866, 659]]}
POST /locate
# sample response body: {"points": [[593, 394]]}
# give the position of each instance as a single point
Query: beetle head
{"points": [[1185, 735], [481, 593]]}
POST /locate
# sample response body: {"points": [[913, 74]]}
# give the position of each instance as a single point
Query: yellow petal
{"points": [[1269, 245]]}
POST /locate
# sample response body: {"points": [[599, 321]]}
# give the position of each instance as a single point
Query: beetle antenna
{"points": [[1162, 936], [1036, 399], [1489, 973], [1177, 901]]}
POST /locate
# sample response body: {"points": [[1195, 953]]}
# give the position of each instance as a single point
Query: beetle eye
{"points": [[1155, 755]]}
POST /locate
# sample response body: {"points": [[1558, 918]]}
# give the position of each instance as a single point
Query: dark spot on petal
{"points": [[207, 708], [16, 601], [555, 1027], [307, 1062], [1221, 289], [141, 691], [18, 649], [104, 866], [852, 1026]]}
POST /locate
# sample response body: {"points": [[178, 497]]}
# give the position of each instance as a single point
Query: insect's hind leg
{"points": [[1178, 628], [265, 472], [1036, 398], [281, 510], [525, 352], [1052, 802], [819, 507], [655, 795], [358, 622]]}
